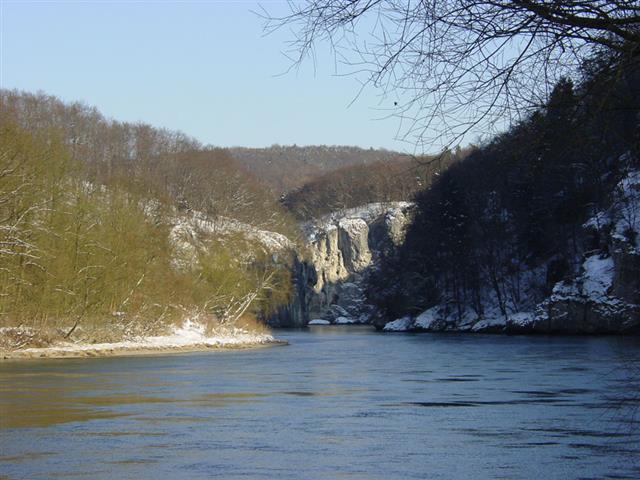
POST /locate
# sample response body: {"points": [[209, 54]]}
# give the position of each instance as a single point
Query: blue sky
{"points": [[201, 67]]}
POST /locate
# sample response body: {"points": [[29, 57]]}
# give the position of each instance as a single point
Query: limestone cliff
{"points": [[340, 249]]}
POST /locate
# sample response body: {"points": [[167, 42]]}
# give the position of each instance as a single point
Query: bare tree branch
{"points": [[453, 67]]}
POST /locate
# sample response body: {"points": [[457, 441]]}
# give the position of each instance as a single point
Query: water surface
{"points": [[338, 402]]}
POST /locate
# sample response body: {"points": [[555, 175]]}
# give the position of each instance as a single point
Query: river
{"points": [[338, 402]]}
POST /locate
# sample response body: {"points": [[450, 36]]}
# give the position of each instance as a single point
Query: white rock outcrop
{"points": [[342, 247]]}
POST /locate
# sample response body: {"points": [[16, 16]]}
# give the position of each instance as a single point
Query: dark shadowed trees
{"points": [[511, 213]]}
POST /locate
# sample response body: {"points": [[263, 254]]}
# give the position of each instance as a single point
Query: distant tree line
{"points": [[352, 186], [148, 160], [286, 168]]}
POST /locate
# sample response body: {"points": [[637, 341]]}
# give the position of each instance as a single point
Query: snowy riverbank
{"points": [[188, 337]]}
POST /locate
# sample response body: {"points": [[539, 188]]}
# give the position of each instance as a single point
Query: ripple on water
{"points": [[345, 405]]}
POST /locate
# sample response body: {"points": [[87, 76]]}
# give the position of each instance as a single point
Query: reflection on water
{"points": [[337, 403], [44, 404]]}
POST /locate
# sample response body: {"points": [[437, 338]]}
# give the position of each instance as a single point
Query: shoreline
{"points": [[190, 336], [97, 351]]}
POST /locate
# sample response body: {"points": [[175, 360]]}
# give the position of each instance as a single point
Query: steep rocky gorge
{"points": [[340, 250], [329, 268]]}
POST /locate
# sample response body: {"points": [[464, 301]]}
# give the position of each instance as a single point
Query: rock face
{"points": [[341, 248], [296, 314], [605, 296], [589, 303], [353, 242]]}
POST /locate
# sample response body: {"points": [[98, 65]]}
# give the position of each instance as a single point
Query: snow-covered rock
{"points": [[489, 325], [583, 305], [319, 321], [345, 321], [189, 231], [427, 320], [520, 320], [602, 296], [369, 213], [443, 318], [598, 276], [605, 294], [626, 211], [586, 303], [403, 324]]}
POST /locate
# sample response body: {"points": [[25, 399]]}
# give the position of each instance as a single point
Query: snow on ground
{"points": [[522, 319], [190, 335], [598, 276], [319, 321], [187, 227], [345, 321], [427, 318], [400, 325]]}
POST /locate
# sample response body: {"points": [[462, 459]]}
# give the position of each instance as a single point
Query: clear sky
{"points": [[203, 67]]}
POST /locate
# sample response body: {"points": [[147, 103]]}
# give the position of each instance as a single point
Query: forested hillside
{"points": [[108, 227], [154, 161], [285, 168], [353, 186], [110, 147], [498, 232]]}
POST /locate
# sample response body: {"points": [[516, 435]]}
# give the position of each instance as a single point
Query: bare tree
{"points": [[450, 67]]}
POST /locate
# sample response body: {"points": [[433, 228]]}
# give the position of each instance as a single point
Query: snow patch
{"points": [[345, 321], [522, 319], [400, 325], [598, 276], [427, 319], [191, 333], [319, 321]]}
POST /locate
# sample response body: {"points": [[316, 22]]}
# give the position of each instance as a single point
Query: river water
{"points": [[338, 402]]}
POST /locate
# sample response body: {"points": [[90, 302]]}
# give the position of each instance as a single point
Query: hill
{"points": [[285, 168]]}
